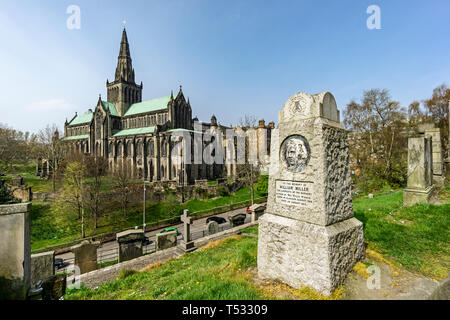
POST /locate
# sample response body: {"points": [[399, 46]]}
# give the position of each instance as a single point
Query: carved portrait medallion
{"points": [[295, 153]]}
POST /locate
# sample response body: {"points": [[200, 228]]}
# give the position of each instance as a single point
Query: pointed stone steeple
{"points": [[124, 91], [124, 70]]}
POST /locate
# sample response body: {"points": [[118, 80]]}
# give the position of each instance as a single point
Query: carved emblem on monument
{"points": [[295, 153], [299, 104]]}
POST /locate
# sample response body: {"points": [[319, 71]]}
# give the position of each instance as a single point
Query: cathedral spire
{"points": [[124, 70], [124, 45]]}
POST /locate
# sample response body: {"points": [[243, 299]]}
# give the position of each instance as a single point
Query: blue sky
{"points": [[232, 57]]}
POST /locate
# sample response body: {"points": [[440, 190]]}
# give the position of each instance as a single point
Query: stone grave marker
{"points": [[166, 240], [430, 131], [86, 256], [15, 251], [237, 219], [187, 244], [212, 228], [54, 288], [42, 266], [308, 235], [420, 171], [257, 211], [130, 244]]}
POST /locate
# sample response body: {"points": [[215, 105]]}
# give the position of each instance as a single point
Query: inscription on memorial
{"points": [[294, 193]]}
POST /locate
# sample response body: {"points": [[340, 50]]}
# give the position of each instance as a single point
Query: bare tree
{"points": [[378, 141], [96, 168], [248, 172], [15, 146], [73, 193], [122, 178], [248, 121], [52, 149]]}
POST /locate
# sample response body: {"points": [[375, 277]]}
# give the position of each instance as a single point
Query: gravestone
{"points": [[420, 171], [15, 252], [17, 181], [257, 211], [430, 131], [308, 235], [54, 288], [86, 256], [187, 244], [166, 240], [237, 219], [130, 244], [447, 161], [42, 266], [212, 228]]}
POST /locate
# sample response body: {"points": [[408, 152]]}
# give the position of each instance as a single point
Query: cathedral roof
{"points": [[132, 132], [84, 136], [82, 118], [148, 106], [111, 107]]}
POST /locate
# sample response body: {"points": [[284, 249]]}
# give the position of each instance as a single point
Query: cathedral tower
{"points": [[124, 91]]}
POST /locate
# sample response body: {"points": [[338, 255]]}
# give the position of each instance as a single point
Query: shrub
{"points": [[262, 186], [222, 191]]}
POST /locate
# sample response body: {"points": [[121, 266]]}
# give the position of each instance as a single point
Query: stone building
{"points": [[125, 128]]}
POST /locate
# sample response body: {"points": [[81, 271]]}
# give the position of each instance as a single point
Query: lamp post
{"points": [[182, 182], [143, 215]]}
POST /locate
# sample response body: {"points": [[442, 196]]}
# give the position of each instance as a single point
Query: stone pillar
{"points": [[447, 161], [420, 171], [15, 253], [308, 235], [438, 172], [86, 256], [130, 244]]}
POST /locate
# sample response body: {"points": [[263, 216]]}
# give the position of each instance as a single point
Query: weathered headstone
{"points": [[430, 131], [15, 252], [130, 244], [308, 235], [237, 219], [420, 171], [257, 211], [212, 228], [42, 266], [187, 244], [86, 256], [166, 240], [447, 160], [17, 181], [54, 288]]}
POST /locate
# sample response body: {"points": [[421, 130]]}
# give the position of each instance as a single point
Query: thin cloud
{"points": [[49, 105]]}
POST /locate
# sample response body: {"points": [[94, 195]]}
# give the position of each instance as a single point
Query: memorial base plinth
{"points": [[187, 246], [413, 196], [304, 254]]}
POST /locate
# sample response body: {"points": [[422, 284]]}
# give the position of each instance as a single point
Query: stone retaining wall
{"points": [[95, 278]]}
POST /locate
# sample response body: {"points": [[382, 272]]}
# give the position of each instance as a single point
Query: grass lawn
{"points": [[222, 270], [415, 238]]}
